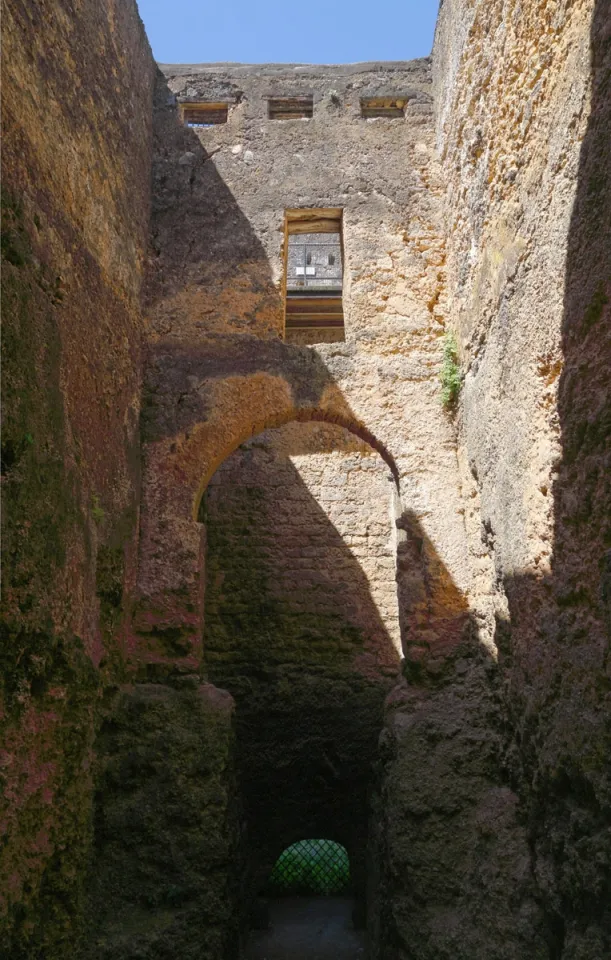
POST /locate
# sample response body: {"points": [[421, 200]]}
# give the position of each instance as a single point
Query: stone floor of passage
{"points": [[308, 928]]}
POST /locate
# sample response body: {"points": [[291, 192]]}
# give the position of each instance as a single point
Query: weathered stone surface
{"points": [[453, 875], [523, 126], [522, 108], [218, 222], [301, 627], [167, 870], [490, 831], [218, 373], [75, 173]]}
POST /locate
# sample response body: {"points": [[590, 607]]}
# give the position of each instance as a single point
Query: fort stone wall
{"points": [[522, 117], [261, 581], [76, 156]]}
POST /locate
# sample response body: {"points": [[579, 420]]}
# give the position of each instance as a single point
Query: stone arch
{"points": [[203, 415], [268, 503], [277, 419]]}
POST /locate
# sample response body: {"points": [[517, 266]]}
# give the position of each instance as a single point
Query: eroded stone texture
{"points": [[524, 133], [452, 866], [301, 627], [167, 869], [75, 173], [522, 104], [220, 194], [490, 830], [218, 212]]}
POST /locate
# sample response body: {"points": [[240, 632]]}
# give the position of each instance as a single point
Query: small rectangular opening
{"points": [[313, 260], [389, 107], [204, 114], [290, 108]]}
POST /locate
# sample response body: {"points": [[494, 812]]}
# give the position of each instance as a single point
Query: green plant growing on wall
{"points": [[450, 375]]}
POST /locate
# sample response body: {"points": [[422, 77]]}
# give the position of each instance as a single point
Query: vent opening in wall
{"points": [[314, 276], [382, 107], [290, 108], [204, 114]]}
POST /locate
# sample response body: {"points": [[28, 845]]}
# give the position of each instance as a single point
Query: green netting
{"points": [[311, 866]]}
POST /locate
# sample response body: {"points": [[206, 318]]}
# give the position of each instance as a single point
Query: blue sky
{"points": [[317, 31]]}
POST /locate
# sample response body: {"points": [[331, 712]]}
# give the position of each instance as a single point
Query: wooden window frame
{"points": [[314, 220], [212, 113], [389, 108], [290, 108]]}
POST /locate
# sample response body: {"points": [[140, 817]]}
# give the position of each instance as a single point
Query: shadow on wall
{"points": [[208, 271], [199, 232], [557, 642], [296, 631], [216, 374], [433, 613]]}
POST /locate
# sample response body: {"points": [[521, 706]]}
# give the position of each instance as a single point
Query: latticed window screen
{"points": [[311, 866]]}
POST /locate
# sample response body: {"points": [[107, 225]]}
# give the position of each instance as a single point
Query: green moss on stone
{"points": [[166, 869]]}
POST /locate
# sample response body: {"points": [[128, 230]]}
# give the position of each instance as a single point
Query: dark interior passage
{"points": [[301, 628], [308, 928]]}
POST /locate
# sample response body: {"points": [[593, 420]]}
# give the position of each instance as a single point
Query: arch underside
{"points": [[304, 415], [206, 402]]}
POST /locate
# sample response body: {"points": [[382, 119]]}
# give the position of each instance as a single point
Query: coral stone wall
{"points": [[490, 834], [219, 373], [220, 194], [522, 114], [523, 126], [218, 368], [77, 85], [167, 870], [301, 627]]}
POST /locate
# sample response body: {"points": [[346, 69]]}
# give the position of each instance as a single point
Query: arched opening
{"points": [[301, 626], [309, 868], [245, 430], [309, 910]]}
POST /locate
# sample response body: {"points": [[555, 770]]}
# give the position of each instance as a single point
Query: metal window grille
{"points": [[312, 251], [311, 867]]}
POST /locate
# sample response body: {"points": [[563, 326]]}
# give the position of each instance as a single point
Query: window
{"points": [[204, 114], [383, 107], [314, 276], [290, 108], [311, 867]]}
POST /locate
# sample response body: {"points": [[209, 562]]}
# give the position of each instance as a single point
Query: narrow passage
{"points": [[308, 928]]}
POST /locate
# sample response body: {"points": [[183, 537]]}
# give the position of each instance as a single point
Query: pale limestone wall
{"points": [[215, 288], [494, 852], [522, 112], [329, 528], [219, 374], [234, 181], [513, 108]]}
